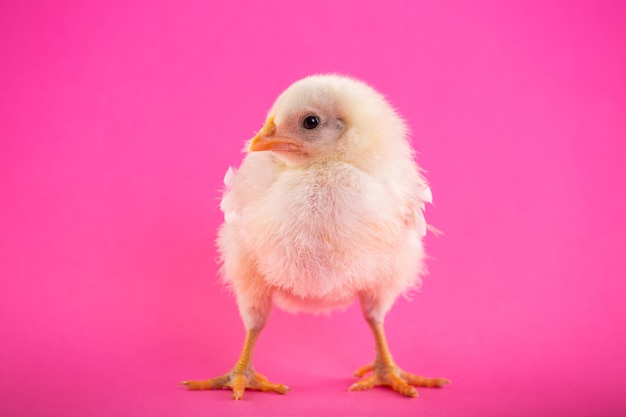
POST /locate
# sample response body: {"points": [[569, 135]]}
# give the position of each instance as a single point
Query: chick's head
{"points": [[331, 116]]}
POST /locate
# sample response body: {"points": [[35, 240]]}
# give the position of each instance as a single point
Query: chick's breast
{"points": [[317, 236]]}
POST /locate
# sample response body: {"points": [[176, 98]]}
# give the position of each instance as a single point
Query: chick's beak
{"points": [[266, 140]]}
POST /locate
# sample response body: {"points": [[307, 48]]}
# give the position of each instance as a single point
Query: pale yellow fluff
{"points": [[339, 220]]}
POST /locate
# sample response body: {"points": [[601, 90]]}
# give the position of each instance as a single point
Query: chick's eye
{"points": [[310, 122]]}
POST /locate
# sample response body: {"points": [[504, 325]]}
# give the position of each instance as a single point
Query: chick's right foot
{"points": [[238, 382]]}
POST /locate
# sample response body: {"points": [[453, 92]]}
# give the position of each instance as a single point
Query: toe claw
{"points": [[238, 394], [441, 382], [356, 387], [363, 384], [407, 391], [280, 389]]}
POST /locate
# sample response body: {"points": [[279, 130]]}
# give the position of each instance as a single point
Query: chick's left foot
{"points": [[238, 382], [391, 375]]}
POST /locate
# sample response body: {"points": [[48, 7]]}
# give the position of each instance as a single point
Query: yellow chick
{"points": [[326, 207]]}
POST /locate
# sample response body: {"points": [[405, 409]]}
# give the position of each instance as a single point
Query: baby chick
{"points": [[327, 206]]}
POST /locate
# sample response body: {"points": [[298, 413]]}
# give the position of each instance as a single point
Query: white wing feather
{"points": [[227, 203], [424, 195]]}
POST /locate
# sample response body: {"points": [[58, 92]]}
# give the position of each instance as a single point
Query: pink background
{"points": [[118, 121]]}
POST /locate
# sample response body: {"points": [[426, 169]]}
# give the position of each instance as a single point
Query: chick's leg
{"points": [[386, 372], [255, 306], [242, 376]]}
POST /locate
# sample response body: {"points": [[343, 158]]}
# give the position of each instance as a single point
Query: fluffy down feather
{"points": [[313, 231]]}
